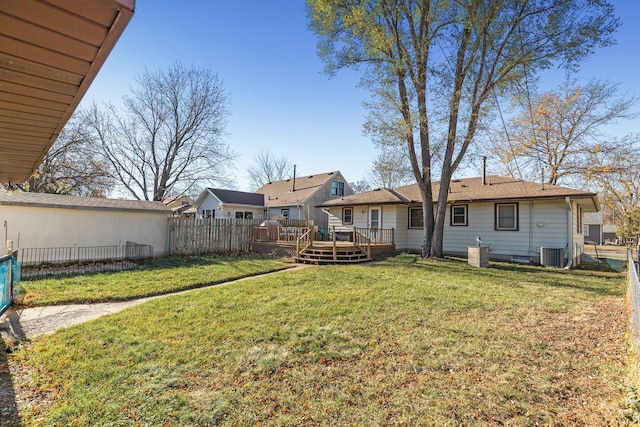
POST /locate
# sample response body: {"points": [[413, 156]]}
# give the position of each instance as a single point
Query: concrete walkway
{"points": [[26, 323]]}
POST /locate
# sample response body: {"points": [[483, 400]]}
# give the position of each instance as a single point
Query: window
{"points": [[506, 217], [248, 215], [458, 215], [337, 188], [579, 224], [284, 213], [239, 215], [347, 215], [265, 214], [208, 213], [416, 219]]}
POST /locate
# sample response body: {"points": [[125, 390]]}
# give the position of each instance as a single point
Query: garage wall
{"points": [[49, 227]]}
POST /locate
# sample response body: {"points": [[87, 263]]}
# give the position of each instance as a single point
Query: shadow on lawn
{"points": [[597, 282], [9, 416]]}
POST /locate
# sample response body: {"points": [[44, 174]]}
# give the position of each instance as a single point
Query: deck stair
{"points": [[327, 254]]}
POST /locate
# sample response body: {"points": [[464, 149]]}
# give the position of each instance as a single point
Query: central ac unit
{"points": [[552, 257]]}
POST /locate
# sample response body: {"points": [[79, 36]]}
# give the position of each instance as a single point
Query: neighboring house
{"points": [[609, 234], [594, 227], [180, 206], [514, 218], [217, 203], [297, 198], [34, 220]]}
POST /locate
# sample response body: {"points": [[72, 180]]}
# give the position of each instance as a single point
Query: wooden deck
{"points": [[310, 246]]}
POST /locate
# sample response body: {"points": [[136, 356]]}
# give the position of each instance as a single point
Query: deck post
{"points": [[335, 254], [393, 236]]}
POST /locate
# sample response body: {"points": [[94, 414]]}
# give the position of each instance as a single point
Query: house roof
{"points": [[497, 188], [76, 202], [179, 204], [50, 52], [283, 193], [234, 197]]}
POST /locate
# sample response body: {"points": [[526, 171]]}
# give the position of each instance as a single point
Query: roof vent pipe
{"points": [[294, 179], [484, 170]]}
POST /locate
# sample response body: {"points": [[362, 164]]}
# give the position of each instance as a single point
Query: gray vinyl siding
{"points": [[540, 224], [525, 242]]}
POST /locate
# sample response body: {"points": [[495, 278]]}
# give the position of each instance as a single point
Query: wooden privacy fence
{"points": [[205, 236]]}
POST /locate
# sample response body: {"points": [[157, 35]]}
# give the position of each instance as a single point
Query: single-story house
{"points": [[34, 220], [609, 234], [593, 227], [296, 198], [180, 205], [218, 203], [517, 220]]}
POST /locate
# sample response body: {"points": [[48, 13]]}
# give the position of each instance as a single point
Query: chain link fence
{"points": [[634, 296]]}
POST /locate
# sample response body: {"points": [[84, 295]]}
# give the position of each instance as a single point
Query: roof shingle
{"points": [[76, 202], [238, 197], [467, 190], [282, 193]]}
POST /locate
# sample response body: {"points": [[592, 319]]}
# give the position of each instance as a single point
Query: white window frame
{"points": [[421, 216], [337, 188], [516, 219], [452, 217], [344, 211]]}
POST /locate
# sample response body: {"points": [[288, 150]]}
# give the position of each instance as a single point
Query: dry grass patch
{"points": [[398, 342]]}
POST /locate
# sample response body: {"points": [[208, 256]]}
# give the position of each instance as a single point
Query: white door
{"points": [[375, 222]]}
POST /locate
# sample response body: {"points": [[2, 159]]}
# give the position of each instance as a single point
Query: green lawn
{"points": [[161, 276], [396, 342]]}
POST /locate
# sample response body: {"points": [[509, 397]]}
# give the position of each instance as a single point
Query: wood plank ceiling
{"points": [[50, 52]]}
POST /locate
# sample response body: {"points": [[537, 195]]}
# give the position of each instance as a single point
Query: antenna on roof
{"points": [[542, 178], [294, 179], [484, 170]]}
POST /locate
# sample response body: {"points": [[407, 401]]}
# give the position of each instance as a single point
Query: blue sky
{"points": [[280, 99]]}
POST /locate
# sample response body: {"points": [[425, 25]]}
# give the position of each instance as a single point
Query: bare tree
{"points": [[437, 66], [170, 136], [613, 170], [391, 169], [266, 168], [554, 134], [360, 186], [72, 166]]}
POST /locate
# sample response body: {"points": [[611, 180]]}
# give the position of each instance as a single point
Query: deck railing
{"points": [[305, 240], [279, 234], [381, 236], [362, 241]]}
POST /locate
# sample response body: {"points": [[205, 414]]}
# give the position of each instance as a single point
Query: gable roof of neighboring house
{"points": [[497, 188], [283, 193], [75, 202], [180, 204], [233, 197]]}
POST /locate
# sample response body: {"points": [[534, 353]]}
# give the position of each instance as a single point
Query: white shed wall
{"points": [[40, 227]]}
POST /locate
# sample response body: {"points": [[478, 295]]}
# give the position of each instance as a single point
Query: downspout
{"points": [[569, 234]]}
